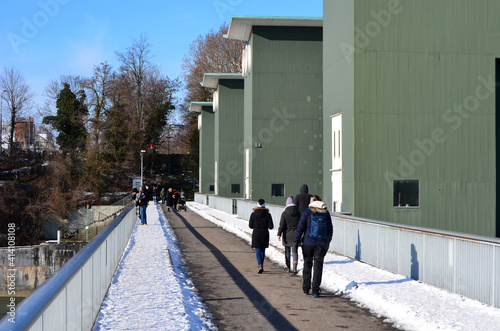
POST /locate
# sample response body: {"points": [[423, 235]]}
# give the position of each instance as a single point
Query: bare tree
{"points": [[135, 63], [18, 97], [211, 53], [97, 93]]}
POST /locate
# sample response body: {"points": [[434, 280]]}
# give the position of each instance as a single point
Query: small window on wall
{"points": [[235, 188], [211, 188], [406, 193], [278, 190]]}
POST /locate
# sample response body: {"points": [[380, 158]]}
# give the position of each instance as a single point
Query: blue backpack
{"points": [[319, 230]]}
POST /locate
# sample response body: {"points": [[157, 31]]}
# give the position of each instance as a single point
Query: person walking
{"points": [[142, 202], [303, 199], [176, 198], [162, 195], [170, 199], [155, 193], [260, 222], [314, 232], [286, 233]]}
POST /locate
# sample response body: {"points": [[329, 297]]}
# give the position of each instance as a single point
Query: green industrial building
{"points": [[411, 88], [283, 99], [228, 132], [206, 125]]}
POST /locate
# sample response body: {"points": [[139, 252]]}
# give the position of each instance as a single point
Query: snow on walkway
{"points": [[409, 304], [151, 290]]}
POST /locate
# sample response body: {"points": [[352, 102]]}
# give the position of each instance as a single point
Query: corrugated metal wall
{"points": [[425, 111], [207, 145], [229, 148], [286, 100]]}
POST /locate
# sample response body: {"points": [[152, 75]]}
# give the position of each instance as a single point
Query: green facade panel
{"points": [[423, 109], [229, 137], [283, 101], [207, 150]]}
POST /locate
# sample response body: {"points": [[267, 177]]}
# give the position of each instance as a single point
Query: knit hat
{"points": [[261, 203], [289, 201]]}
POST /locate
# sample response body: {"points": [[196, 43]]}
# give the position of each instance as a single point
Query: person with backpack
{"points": [[261, 222], [314, 232], [286, 233]]}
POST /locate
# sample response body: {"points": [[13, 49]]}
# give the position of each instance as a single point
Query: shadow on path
{"points": [[274, 317]]}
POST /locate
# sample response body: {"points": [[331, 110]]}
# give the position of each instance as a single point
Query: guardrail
{"points": [[71, 298], [465, 264]]}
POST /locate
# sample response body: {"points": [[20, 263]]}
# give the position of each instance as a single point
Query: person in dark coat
{"points": [[261, 222], [303, 199], [287, 229], [313, 252], [176, 198], [142, 202], [170, 199]]}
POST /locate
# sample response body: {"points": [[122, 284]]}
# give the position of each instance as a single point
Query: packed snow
{"points": [[152, 291]]}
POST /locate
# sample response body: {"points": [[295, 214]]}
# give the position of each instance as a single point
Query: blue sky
{"points": [[48, 38]]}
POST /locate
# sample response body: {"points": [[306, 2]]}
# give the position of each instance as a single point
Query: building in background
{"points": [[411, 91], [24, 133], [206, 127], [283, 99], [228, 102]]}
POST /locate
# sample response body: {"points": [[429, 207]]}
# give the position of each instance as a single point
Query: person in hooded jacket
{"points": [[261, 222], [313, 252], [303, 199], [286, 233]]}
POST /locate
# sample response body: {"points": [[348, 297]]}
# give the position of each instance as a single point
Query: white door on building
{"points": [[216, 179], [336, 162], [247, 173]]}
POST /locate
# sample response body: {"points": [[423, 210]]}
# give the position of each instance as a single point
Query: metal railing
{"points": [[71, 298], [465, 264]]}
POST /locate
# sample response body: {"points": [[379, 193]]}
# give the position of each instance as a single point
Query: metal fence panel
{"points": [[409, 261], [474, 270], [387, 251], [439, 261]]}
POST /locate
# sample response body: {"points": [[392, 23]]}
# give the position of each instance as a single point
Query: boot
{"points": [[294, 267], [287, 268], [260, 269]]}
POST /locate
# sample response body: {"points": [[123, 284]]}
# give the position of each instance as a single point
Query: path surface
{"points": [[223, 269]]}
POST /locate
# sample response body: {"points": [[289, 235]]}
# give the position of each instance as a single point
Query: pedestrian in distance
{"points": [[303, 199], [177, 196], [260, 222], [142, 202], [314, 232], [286, 233], [155, 193], [162, 195], [170, 199]]}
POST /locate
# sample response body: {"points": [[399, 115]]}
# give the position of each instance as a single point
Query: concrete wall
{"points": [[34, 265]]}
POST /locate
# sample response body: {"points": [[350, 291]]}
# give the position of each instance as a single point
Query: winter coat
{"points": [[288, 225], [260, 222], [303, 199], [304, 226], [170, 199], [142, 198]]}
